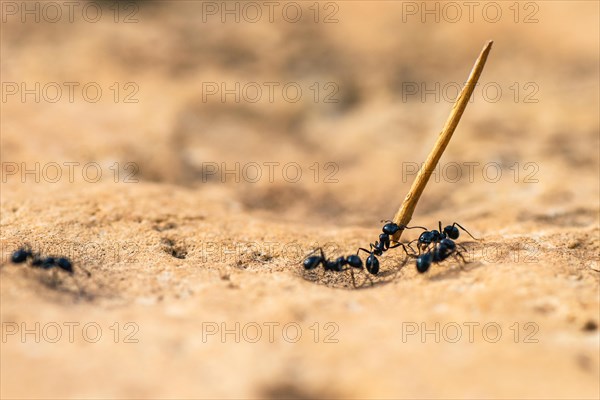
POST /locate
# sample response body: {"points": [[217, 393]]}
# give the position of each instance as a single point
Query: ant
{"points": [[383, 244], [442, 250], [434, 236], [338, 265], [443, 245], [25, 254], [22, 255]]}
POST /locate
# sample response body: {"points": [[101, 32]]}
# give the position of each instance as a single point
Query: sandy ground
{"points": [[197, 289]]}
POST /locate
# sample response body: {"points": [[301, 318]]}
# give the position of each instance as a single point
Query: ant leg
{"points": [[353, 280], [314, 251], [425, 247], [54, 281], [440, 225], [366, 274], [409, 244], [415, 227], [367, 277], [77, 283], [469, 233], [404, 226], [365, 250], [322, 255], [54, 277], [458, 254], [462, 247], [87, 273], [398, 244]]}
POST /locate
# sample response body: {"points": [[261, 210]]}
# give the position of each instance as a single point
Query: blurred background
{"points": [[170, 124], [350, 96]]}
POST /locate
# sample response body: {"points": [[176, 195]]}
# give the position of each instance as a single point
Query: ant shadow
{"points": [[55, 282], [453, 272]]}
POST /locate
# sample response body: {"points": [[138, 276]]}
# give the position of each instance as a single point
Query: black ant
{"points": [[22, 255], [434, 236], [383, 244], [25, 254], [442, 250], [390, 229], [443, 245], [338, 265]]}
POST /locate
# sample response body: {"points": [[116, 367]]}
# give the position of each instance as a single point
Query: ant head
{"points": [[427, 237], [451, 231], [437, 236], [390, 228]]}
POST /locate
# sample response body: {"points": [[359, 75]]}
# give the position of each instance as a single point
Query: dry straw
{"points": [[407, 208]]}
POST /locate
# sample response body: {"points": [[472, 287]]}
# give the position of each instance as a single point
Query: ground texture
{"points": [[196, 286]]}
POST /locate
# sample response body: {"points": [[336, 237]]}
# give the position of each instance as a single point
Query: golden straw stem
{"points": [[407, 208]]}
